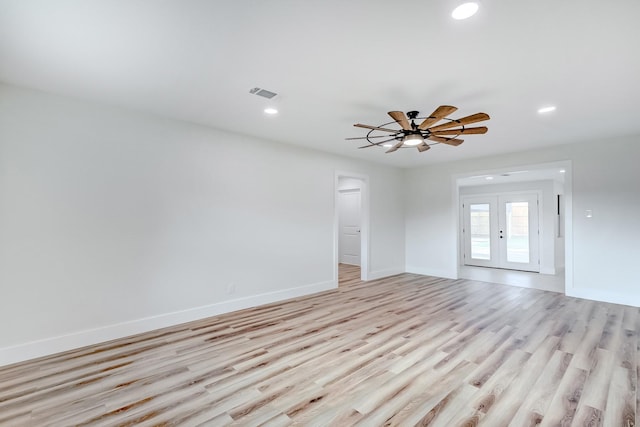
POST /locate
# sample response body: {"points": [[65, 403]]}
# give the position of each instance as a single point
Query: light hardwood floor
{"points": [[405, 350]]}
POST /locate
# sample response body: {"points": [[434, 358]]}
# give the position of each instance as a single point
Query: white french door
{"points": [[501, 231]]}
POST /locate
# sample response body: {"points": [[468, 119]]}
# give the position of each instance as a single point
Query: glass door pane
{"points": [[480, 230], [517, 232]]}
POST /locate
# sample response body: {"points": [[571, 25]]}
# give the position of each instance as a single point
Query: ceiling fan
{"points": [[411, 134]]}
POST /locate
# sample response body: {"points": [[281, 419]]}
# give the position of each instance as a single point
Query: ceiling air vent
{"points": [[262, 92]]}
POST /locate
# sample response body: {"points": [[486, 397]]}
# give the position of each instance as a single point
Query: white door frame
{"points": [[364, 229]]}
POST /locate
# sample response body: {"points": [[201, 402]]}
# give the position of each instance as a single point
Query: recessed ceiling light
{"points": [[548, 109], [562, 171], [270, 111], [465, 10], [489, 178]]}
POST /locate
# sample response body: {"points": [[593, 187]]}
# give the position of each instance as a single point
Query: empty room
{"points": [[325, 213]]}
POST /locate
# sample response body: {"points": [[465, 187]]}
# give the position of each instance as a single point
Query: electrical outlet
{"points": [[231, 288]]}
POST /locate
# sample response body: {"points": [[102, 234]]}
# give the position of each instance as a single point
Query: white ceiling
{"points": [[339, 62]]}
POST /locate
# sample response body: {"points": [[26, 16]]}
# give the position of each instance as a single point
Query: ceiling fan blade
{"points": [[399, 117], [474, 118], [423, 147], [377, 143], [440, 113], [395, 147], [448, 141], [358, 125], [466, 131], [367, 137]]}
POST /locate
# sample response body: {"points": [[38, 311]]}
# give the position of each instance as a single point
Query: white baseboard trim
{"points": [[380, 274], [74, 340], [612, 297], [432, 272]]}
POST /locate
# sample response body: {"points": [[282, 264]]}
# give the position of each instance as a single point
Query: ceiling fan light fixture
{"points": [[465, 10], [413, 140]]}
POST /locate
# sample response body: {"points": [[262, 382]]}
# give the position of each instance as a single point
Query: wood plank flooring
{"points": [[401, 351]]}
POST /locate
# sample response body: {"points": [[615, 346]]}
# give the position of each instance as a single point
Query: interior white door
{"points": [[501, 231], [349, 225]]}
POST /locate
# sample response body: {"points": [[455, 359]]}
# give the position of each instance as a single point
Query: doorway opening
{"points": [[514, 259], [351, 228]]}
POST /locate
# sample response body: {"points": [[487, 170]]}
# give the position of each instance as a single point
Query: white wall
{"points": [[546, 220], [115, 222], [605, 178]]}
